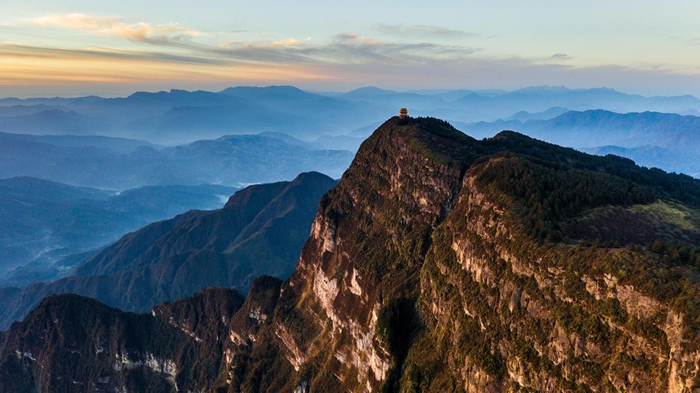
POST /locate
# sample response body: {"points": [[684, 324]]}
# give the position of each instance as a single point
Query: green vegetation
{"points": [[541, 194], [674, 186], [673, 213], [676, 254]]}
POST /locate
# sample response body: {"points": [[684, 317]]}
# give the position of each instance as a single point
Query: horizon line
{"points": [[424, 91]]}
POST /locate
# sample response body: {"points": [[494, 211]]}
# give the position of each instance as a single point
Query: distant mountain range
{"points": [[53, 122], [44, 222], [260, 230], [473, 106], [180, 116], [664, 140], [118, 164], [119, 145], [544, 115], [313, 121]]}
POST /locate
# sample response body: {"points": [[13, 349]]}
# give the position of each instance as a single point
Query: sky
{"points": [[112, 48]]}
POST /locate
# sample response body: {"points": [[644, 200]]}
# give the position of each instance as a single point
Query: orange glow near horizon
{"points": [[74, 49], [23, 70]]}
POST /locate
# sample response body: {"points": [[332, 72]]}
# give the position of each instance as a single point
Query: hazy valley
{"points": [[46, 223]]}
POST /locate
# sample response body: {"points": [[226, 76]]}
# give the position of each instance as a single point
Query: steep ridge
{"points": [[260, 230], [443, 263], [367, 245]]}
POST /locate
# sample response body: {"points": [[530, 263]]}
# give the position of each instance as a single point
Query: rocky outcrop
{"points": [[507, 293]]}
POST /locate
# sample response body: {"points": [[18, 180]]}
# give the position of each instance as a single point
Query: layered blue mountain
{"points": [[544, 115], [119, 145], [473, 106], [179, 116], [664, 140], [119, 164], [260, 230], [44, 223], [53, 122]]}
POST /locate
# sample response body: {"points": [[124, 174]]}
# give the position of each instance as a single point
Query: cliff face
{"points": [[75, 344], [548, 318], [366, 249], [442, 263]]}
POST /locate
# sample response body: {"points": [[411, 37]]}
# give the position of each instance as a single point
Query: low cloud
{"points": [[169, 34], [344, 48], [560, 56], [683, 39], [421, 31], [9, 49]]}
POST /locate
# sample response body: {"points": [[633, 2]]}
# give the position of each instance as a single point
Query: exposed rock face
{"points": [[75, 344], [416, 219], [442, 263], [507, 293], [347, 272]]}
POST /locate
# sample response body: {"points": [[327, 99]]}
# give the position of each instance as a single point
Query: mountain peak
{"points": [[366, 93], [313, 177], [428, 137], [544, 89], [273, 91], [507, 134]]}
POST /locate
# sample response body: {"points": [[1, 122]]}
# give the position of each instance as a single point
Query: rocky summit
{"points": [[439, 263]]}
